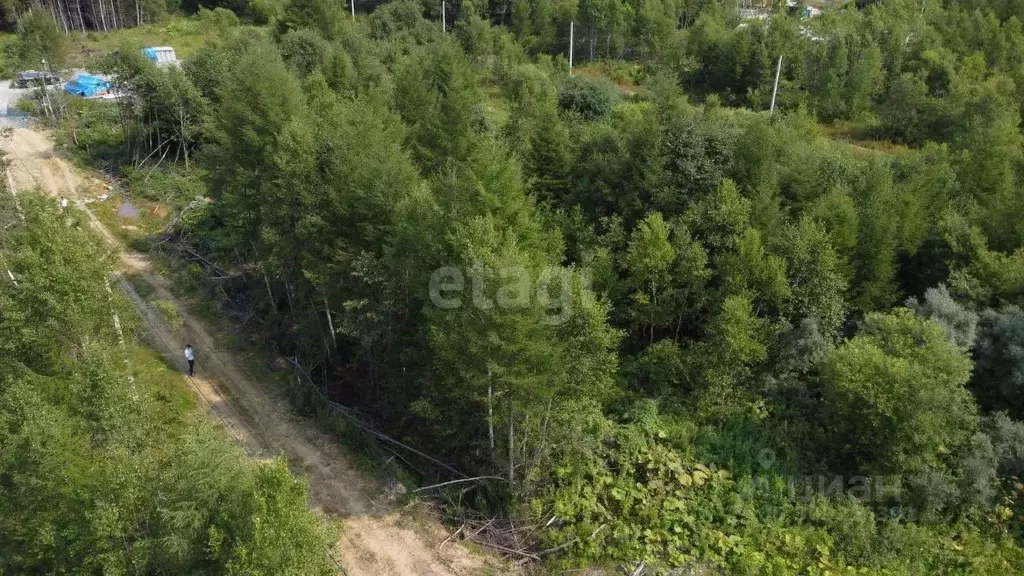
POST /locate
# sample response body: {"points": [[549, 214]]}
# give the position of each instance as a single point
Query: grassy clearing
{"points": [[495, 105], [862, 136], [185, 35], [625, 75]]}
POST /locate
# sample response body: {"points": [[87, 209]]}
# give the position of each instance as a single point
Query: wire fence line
{"points": [[349, 415]]}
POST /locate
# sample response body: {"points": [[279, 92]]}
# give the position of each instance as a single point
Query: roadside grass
{"points": [[142, 286], [162, 382]]}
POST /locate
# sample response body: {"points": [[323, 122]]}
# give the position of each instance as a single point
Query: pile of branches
{"points": [[516, 539], [512, 538]]}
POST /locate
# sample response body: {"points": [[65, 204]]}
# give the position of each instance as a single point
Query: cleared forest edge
{"points": [[377, 539]]}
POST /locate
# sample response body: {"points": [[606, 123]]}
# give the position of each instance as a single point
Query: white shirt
{"points": [[189, 354], [63, 202]]}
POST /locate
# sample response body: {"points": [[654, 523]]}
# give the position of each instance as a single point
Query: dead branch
{"points": [[477, 533], [498, 547], [458, 481], [559, 547], [452, 535]]}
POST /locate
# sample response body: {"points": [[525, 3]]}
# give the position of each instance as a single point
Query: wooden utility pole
{"points": [[572, 25], [775, 89]]}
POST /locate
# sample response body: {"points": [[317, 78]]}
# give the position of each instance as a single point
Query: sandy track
{"points": [[377, 539], [35, 164]]}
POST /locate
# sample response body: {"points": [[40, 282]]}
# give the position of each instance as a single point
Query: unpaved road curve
{"points": [[376, 541]]}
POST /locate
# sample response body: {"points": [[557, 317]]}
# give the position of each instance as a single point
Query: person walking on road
{"points": [[190, 355]]}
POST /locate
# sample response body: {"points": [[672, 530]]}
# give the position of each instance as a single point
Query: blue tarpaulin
{"points": [[87, 85], [150, 53]]}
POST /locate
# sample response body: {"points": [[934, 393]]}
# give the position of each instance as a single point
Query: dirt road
{"points": [[35, 164], [377, 539]]}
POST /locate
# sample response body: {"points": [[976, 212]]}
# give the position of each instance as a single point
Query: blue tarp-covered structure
{"points": [[160, 54], [87, 85]]}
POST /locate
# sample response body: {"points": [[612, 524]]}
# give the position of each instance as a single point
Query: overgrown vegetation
{"points": [[684, 331], [105, 465]]}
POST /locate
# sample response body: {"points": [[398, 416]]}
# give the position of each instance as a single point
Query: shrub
{"points": [[999, 356], [591, 98], [170, 313], [896, 393], [303, 50], [394, 17]]}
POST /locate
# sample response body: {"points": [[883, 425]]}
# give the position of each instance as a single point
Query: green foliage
{"points": [[998, 379], [169, 313], [720, 220], [695, 160], [689, 251], [896, 392], [397, 18], [39, 40], [303, 50], [813, 271], [591, 98], [8, 63], [322, 15], [960, 324], [167, 108], [103, 464], [649, 258], [437, 97], [635, 495]]}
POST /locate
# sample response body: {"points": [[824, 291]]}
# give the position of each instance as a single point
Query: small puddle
{"points": [[127, 210]]}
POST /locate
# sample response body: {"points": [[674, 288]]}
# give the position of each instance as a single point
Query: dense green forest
{"points": [[683, 330]]}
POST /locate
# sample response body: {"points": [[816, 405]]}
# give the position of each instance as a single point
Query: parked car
{"points": [[27, 78]]}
